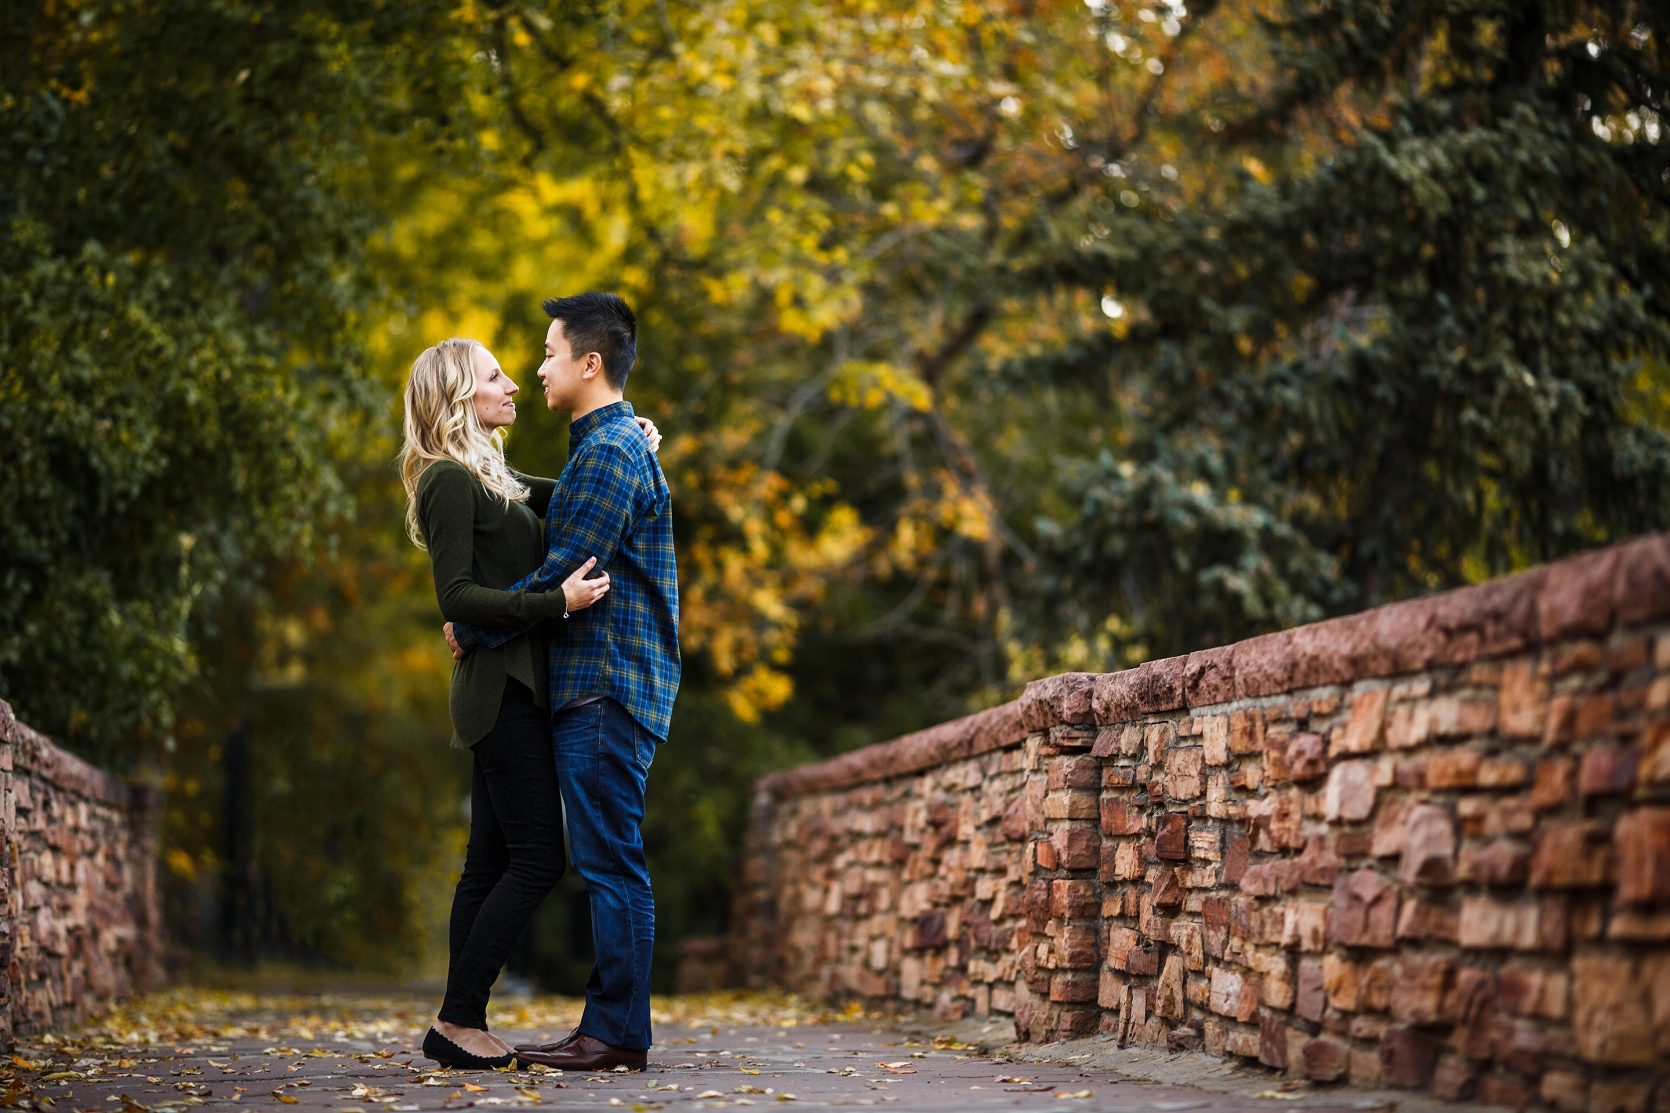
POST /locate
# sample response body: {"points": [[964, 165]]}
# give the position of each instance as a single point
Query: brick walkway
{"points": [[705, 1067]]}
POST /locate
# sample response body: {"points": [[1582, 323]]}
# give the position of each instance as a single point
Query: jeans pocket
{"points": [[643, 748]]}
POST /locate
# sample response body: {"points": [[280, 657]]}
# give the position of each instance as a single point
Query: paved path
{"points": [[697, 1068]]}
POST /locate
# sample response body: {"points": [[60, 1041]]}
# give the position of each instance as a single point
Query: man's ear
{"points": [[594, 366]]}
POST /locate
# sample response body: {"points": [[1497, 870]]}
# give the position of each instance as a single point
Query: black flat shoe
{"points": [[447, 1053]]}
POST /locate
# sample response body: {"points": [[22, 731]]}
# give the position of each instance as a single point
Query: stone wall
{"points": [[1426, 846], [81, 922]]}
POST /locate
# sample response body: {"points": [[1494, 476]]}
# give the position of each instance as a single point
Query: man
{"points": [[614, 667]]}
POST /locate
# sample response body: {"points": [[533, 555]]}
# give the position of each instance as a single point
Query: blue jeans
{"points": [[603, 756]]}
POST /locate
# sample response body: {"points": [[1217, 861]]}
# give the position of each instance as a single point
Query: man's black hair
{"points": [[601, 323]]}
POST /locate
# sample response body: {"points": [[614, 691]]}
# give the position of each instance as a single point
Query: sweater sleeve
{"points": [[446, 512], [600, 505], [539, 492]]}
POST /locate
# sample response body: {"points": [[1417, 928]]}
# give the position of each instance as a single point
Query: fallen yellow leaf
{"points": [[473, 1088]]}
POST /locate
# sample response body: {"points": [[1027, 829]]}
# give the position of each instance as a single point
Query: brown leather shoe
{"points": [[548, 1047], [585, 1053]]}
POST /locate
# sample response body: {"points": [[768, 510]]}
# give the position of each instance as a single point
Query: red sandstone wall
{"points": [[81, 922], [1427, 846]]}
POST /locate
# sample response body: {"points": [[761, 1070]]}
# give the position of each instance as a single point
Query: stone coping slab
{"points": [[1624, 585], [35, 752]]}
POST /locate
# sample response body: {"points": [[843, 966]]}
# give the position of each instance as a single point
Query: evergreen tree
{"points": [[1415, 336]]}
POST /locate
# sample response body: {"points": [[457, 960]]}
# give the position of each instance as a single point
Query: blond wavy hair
{"points": [[441, 424]]}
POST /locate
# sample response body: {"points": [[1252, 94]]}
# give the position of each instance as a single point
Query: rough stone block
{"points": [[1171, 841], [1654, 768], [1245, 1042], [1522, 700], [1074, 772], [1214, 739], [1235, 857], [1077, 848], [1340, 982], [1246, 731], [1453, 769], [1423, 982], [1307, 757], [1531, 991], [1619, 1095], [1110, 990], [1499, 863], [1073, 899], [1232, 995], [1502, 773], [1363, 912], [1572, 855], [1278, 822], [1642, 842], [1121, 943], [1272, 1041], [1169, 1001], [1612, 1017], [1120, 816], [1318, 865], [1073, 987], [1428, 847], [1350, 793], [1130, 859], [1408, 1058], [1564, 1090], [1304, 926], [1182, 1039], [1311, 998], [1071, 804], [1324, 1059], [1363, 730], [1488, 923], [1608, 771], [1453, 1079], [1593, 716], [1387, 839], [1165, 891], [1183, 773], [1422, 919], [1208, 677], [1014, 820]]}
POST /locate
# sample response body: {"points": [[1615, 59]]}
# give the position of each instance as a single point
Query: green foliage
{"points": [[988, 341], [178, 279], [149, 448], [1415, 347], [184, 402]]}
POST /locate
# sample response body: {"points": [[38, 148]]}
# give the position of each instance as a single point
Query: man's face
{"points": [[561, 372]]}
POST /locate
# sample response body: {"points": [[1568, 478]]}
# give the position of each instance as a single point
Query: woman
{"points": [[481, 523]]}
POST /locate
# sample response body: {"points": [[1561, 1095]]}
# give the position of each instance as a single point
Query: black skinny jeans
{"points": [[515, 856]]}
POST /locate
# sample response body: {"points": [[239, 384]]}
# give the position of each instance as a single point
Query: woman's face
{"points": [[493, 392]]}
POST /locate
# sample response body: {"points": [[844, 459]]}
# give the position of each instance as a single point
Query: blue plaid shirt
{"points": [[611, 502]]}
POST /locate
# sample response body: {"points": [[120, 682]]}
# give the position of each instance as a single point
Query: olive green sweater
{"points": [[478, 547]]}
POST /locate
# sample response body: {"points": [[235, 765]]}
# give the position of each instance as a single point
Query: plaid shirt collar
{"points": [[580, 426]]}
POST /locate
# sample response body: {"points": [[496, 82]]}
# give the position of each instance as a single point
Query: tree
{"points": [[1416, 339], [179, 282]]}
